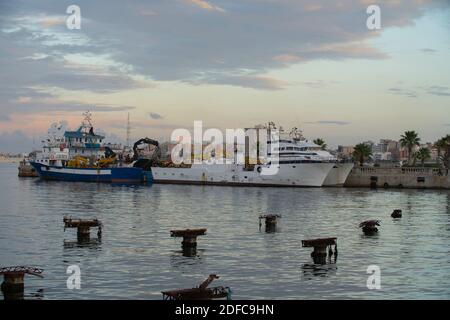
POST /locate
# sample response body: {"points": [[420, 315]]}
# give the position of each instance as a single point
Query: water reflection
{"points": [[310, 271], [94, 243], [134, 259], [22, 295], [182, 259], [13, 295]]}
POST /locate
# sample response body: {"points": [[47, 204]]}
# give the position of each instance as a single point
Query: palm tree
{"points": [[321, 143], [409, 139], [446, 147], [441, 145], [423, 154], [361, 152]]}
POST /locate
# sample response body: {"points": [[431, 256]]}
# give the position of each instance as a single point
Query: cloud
{"points": [[329, 122], [205, 5], [259, 82], [155, 116], [287, 58], [4, 117], [16, 142], [403, 92], [428, 50], [319, 83], [177, 44], [53, 21], [438, 91], [131, 47]]}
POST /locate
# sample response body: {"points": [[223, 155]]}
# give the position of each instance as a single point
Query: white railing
{"points": [[413, 171]]}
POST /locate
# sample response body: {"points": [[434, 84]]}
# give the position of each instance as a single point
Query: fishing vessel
{"points": [[94, 174], [81, 156]]}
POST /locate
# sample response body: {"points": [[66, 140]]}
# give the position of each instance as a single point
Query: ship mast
{"points": [[87, 122], [128, 130]]}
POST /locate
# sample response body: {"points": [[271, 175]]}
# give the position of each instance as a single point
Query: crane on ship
{"points": [[144, 162]]}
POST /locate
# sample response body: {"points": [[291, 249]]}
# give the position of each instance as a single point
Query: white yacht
{"points": [[295, 167], [340, 171]]}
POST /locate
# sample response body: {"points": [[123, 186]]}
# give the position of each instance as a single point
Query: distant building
{"points": [[381, 156], [345, 152]]}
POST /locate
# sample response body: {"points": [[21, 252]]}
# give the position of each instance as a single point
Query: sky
{"points": [[229, 63]]}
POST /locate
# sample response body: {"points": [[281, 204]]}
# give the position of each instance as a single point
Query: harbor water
{"points": [[137, 259]]}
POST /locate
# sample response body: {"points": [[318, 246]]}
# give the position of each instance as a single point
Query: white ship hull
{"points": [[338, 175], [294, 175]]}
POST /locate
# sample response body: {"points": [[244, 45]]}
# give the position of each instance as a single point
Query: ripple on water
{"points": [[136, 258]]}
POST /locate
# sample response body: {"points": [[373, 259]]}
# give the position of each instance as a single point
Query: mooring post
{"points": [[13, 280], [270, 221], [397, 213], [320, 246], [83, 233], [369, 227], [189, 243], [83, 227]]}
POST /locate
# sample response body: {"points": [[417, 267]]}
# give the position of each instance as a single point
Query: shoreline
{"points": [[10, 160]]}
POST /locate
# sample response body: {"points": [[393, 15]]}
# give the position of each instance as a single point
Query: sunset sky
{"points": [[312, 64]]}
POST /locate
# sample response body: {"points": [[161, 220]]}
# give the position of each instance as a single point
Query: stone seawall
{"points": [[415, 177]]}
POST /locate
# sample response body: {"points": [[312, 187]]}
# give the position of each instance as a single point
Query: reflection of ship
{"points": [[81, 156]]}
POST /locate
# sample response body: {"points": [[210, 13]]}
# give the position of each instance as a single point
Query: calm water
{"points": [[137, 258]]}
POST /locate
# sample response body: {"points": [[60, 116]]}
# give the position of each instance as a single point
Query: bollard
{"points": [[369, 227], [83, 227], [13, 280], [320, 246], [189, 243], [270, 221], [397, 213]]}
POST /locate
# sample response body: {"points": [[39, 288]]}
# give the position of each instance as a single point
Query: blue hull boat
{"points": [[112, 175]]}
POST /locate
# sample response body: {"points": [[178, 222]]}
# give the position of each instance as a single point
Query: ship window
{"points": [[289, 148], [420, 179]]}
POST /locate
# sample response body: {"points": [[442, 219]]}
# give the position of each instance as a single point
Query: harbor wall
{"points": [[395, 177]]}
